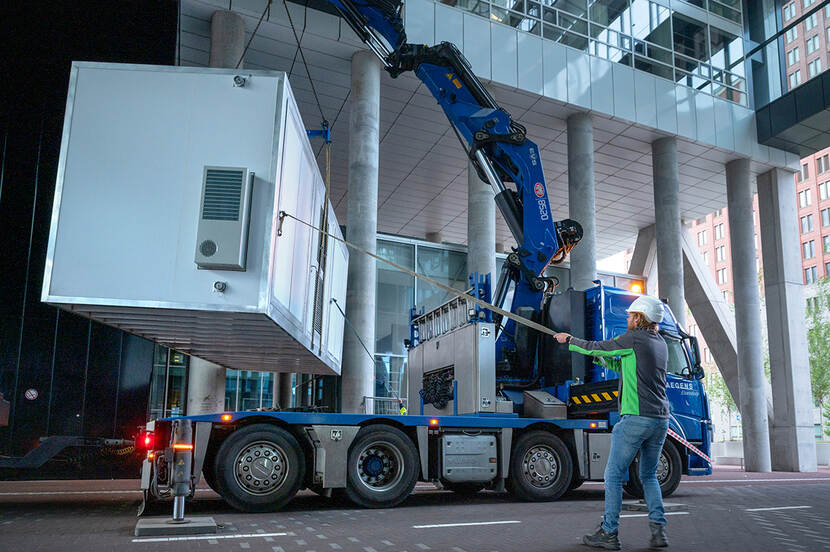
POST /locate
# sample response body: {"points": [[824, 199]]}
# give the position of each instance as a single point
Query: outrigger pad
{"points": [[158, 526]]}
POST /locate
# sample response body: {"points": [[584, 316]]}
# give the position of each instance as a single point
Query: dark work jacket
{"points": [[641, 358]]}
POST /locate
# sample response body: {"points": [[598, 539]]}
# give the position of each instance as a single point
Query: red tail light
{"points": [[146, 440]]}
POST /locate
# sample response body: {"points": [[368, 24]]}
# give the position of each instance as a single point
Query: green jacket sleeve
{"points": [[618, 347]]}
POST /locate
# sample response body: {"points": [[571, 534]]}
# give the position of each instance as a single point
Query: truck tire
{"points": [[259, 468], [383, 467], [541, 467], [209, 475], [669, 470]]}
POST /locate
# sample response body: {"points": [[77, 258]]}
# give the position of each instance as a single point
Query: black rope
{"points": [[253, 34], [302, 56], [302, 35]]}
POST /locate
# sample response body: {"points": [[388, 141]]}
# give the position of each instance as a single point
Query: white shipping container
{"points": [[165, 221]]}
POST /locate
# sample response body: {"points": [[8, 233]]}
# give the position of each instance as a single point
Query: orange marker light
{"points": [[593, 424], [637, 288], [151, 455], [226, 417], [182, 446], [433, 421]]}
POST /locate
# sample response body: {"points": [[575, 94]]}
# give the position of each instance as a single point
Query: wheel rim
{"points": [[380, 466], [541, 466], [261, 468], [663, 468]]}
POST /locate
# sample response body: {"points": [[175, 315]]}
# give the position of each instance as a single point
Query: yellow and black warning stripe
{"points": [[595, 398]]}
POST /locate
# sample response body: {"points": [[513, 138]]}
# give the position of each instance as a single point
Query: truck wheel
{"points": [[259, 468], [540, 467], [383, 467], [464, 489], [669, 470], [209, 475]]}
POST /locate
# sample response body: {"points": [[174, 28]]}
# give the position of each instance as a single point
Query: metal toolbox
{"points": [[468, 457], [541, 404]]}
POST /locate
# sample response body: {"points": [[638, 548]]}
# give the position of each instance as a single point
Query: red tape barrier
{"points": [[688, 445]]}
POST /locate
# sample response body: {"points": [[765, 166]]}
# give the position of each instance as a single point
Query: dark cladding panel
{"points": [[133, 384], [70, 373], [102, 381]]}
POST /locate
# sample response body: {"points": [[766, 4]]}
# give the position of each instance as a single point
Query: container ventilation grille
{"points": [[223, 194]]}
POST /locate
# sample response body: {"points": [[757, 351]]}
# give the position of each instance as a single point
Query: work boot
{"points": [[601, 539], [658, 535]]}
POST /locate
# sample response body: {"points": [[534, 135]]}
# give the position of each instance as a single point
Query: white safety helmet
{"points": [[648, 306]]}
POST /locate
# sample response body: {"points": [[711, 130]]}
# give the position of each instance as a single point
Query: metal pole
{"points": [[178, 508]]}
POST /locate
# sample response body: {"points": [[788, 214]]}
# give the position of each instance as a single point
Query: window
{"points": [[809, 249], [719, 212], [701, 220], [677, 364], [789, 11], [827, 246], [701, 238], [825, 217], [822, 166], [725, 294], [721, 275], [707, 355], [793, 57], [804, 173], [823, 190], [827, 273], [719, 231], [706, 257], [806, 224], [810, 275], [814, 67], [812, 44], [792, 34], [808, 3], [795, 79], [720, 253], [810, 22], [805, 198]]}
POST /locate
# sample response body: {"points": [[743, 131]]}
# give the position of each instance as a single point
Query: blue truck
{"points": [[468, 428], [494, 401]]}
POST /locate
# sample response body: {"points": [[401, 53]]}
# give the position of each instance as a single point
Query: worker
{"points": [[640, 356]]}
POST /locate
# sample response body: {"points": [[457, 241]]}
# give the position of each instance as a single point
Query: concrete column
{"points": [[753, 405], [358, 372], [284, 397], [667, 225], [581, 204], [205, 387], [792, 439], [227, 39], [206, 381], [481, 226]]}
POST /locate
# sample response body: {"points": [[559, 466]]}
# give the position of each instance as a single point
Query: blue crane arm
{"points": [[496, 144]]}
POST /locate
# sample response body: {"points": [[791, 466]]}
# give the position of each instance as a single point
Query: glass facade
{"points": [[684, 44], [248, 390], [168, 383]]}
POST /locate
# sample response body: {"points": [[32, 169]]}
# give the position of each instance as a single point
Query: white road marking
{"points": [[463, 524], [210, 537], [737, 480], [646, 515], [777, 508], [32, 493]]}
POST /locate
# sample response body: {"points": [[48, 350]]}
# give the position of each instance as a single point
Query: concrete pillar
{"points": [[205, 387], [206, 381], [284, 396], [481, 226], [358, 372], [227, 39], [753, 405], [581, 204], [792, 439], [667, 225]]}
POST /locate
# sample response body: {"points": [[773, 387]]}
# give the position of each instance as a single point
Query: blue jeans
{"points": [[634, 434]]}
